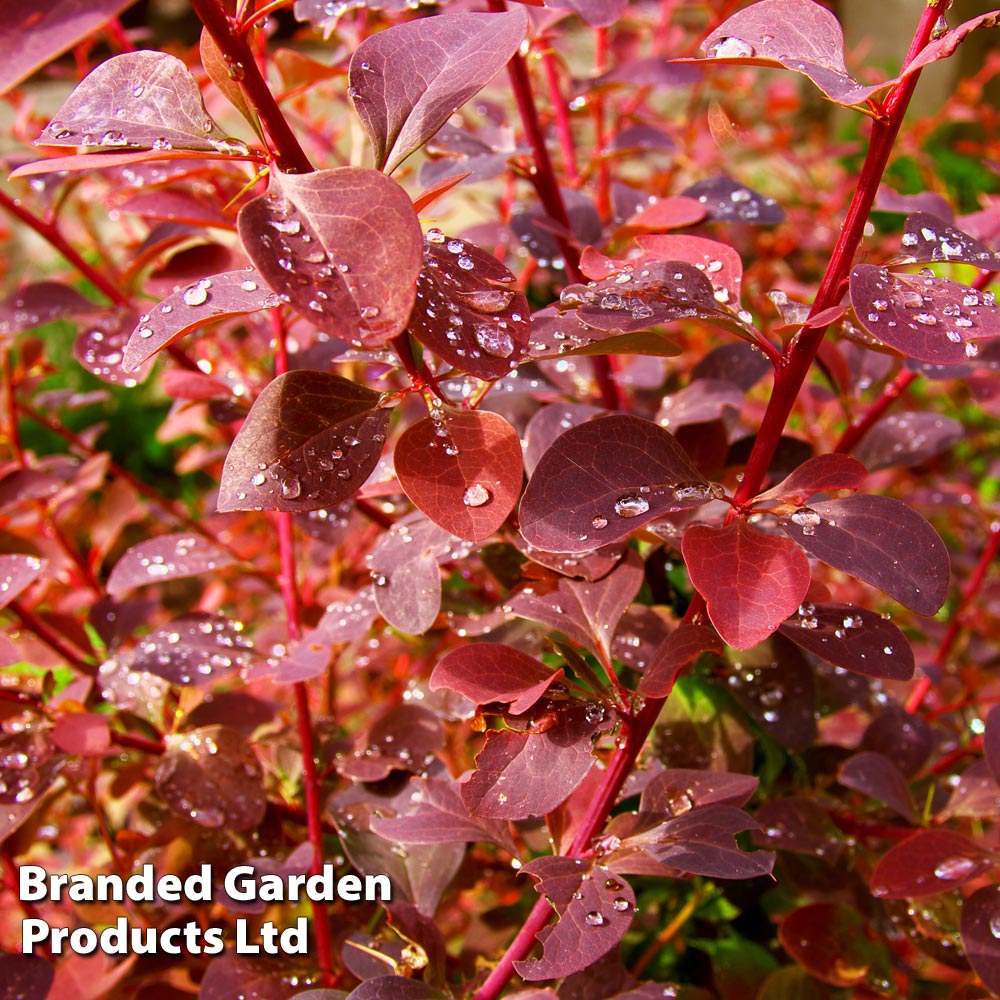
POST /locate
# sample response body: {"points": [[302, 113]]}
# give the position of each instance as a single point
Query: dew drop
{"points": [[196, 295], [248, 285], [631, 505], [952, 869], [599, 522], [291, 487], [466, 263], [621, 904], [594, 919], [494, 341], [731, 48], [476, 495]]}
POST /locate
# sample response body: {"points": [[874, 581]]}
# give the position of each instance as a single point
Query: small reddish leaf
{"points": [[875, 775], [679, 790], [879, 540], [137, 100], [602, 480], [193, 649], [929, 862], [943, 47], [751, 581], [343, 245], [799, 825], [683, 646], [719, 262], [82, 733], [167, 557], [25, 977], [311, 439], [233, 293], [211, 775], [700, 402], [520, 775], [658, 215], [981, 934], [17, 573], [907, 439], [100, 348], [555, 334], [406, 81], [26, 766], [40, 303], [463, 312], [594, 907], [818, 475], [928, 238], [463, 469], [490, 671], [726, 200], [831, 941], [927, 318], [852, 638]]}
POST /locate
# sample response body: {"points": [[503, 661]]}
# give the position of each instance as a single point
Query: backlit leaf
{"points": [[463, 312], [167, 557], [17, 573], [927, 318], [463, 469], [211, 775], [875, 775], [207, 300], [751, 581], [703, 400], [683, 646], [84, 734], [852, 638], [345, 247], [818, 475], [603, 479], [100, 349], [311, 439], [594, 907], [597, 13], [39, 303], [136, 100], [879, 540], [929, 862], [490, 671], [194, 649], [406, 81], [981, 932]]}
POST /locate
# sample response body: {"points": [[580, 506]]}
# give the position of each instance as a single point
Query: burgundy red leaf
{"points": [[929, 862], [980, 920], [167, 557], [683, 646]]}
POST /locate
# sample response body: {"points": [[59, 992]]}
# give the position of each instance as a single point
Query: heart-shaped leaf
{"points": [[927, 318], [603, 479], [751, 581], [405, 82], [879, 540], [463, 469], [167, 557], [343, 246], [310, 440], [594, 907], [852, 638], [137, 100], [463, 312], [233, 293]]}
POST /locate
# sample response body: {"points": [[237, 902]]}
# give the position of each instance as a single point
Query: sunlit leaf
{"points": [[167, 557], [929, 862], [683, 646], [928, 238], [194, 649], [17, 573]]}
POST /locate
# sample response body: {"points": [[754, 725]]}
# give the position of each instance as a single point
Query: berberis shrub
{"points": [[538, 459]]}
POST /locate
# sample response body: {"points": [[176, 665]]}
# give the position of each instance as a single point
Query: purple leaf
{"points": [[594, 908], [394, 988], [943, 47], [211, 775], [751, 581], [799, 825], [726, 200], [40, 303], [587, 612], [404, 566], [100, 348], [818, 475], [701, 843], [325, 14], [980, 923], [168, 557], [25, 765], [852, 638], [907, 439], [555, 334], [597, 13], [17, 573], [345, 247], [344, 621], [463, 312], [404, 739], [550, 422], [699, 402], [234, 975], [928, 238], [311, 439], [879, 540], [34, 34], [927, 318], [489, 671], [799, 35], [193, 649], [683, 646], [876, 776], [463, 469], [929, 862], [233, 293], [520, 775], [602, 480], [138, 100], [406, 81], [906, 738], [679, 790], [25, 977], [544, 238]]}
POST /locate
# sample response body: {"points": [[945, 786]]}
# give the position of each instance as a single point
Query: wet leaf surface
{"points": [[908, 439], [406, 81], [726, 200], [981, 934], [878, 777], [929, 862], [311, 440], [928, 238], [818, 475], [40, 303], [167, 557], [17, 573]]}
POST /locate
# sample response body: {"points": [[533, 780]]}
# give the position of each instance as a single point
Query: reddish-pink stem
{"points": [[560, 110]]}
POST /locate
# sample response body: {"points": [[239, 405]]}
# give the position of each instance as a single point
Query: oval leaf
{"points": [[407, 81], [17, 572], [603, 479], [463, 469], [683, 646], [137, 100], [928, 238], [194, 649], [750, 581], [310, 440], [881, 541], [168, 557], [981, 932], [343, 247], [907, 439], [817, 475], [929, 862]]}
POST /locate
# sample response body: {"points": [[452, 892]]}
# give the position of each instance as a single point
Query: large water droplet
{"points": [[631, 505], [494, 341], [955, 868], [594, 919], [196, 295], [476, 495], [731, 48]]}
